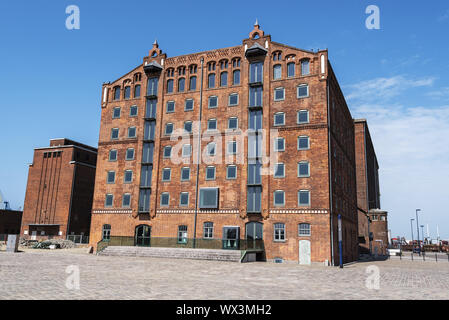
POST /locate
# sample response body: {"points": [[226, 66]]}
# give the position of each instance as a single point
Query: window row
{"points": [[302, 117], [280, 231], [132, 133], [126, 200], [291, 69], [302, 91], [116, 112], [129, 155], [126, 92], [127, 177], [210, 173]]}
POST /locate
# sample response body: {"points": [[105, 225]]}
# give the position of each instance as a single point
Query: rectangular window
{"points": [[109, 201], [304, 198], [303, 91], [185, 174], [305, 69], [213, 102], [133, 111], [165, 199], [303, 116], [132, 132], [144, 200], [186, 150], [145, 176], [211, 80], [113, 155], [255, 120], [111, 177], [254, 172], [279, 119], [279, 232], [188, 126], [279, 94], [189, 105], [304, 229], [232, 147], [149, 130], [212, 124], [233, 123], [256, 72], [303, 169], [254, 199], [114, 133], [291, 69], [127, 92], [303, 143], [277, 72], [152, 87], [130, 154], [116, 113], [137, 91], [255, 96], [279, 198], [279, 144], [210, 173], [126, 200], [279, 170], [170, 83], [192, 85], [231, 172], [150, 111], [170, 107], [233, 99], [182, 234], [168, 129], [236, 77], [147, 152], [184, 199], [167, 151], [254, 146], [128, 176], [166, 174], [209, 198], [208, 230]]}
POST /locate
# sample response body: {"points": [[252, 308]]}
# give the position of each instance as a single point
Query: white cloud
{"points": [[442, 93], [384, 88]]}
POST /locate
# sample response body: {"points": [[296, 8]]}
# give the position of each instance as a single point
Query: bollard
{"points": [[424, 256], [412, 255], [436, 257]]}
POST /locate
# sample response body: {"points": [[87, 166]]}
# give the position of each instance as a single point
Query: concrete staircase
{"points": [[173, 253]]}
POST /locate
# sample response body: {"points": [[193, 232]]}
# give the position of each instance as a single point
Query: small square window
{"points": [[279, 94], [279, 170], [109, 201], [167, 151], [133, 111], [132, 132], [113, 155], [209, 198], [279, 119], [165, 199], [126, 201], [189, 105], [231, 172], [303, 91], [168, 129], [279, 198], [279, 144], [233, 99], [114, 133], [304, 198], [185, 174], [116, 113], [184, 199], [303, 143], [128, 177], [111, 177], [213, 102], [188, 126], [233, 123], [130, 154], [186, 150], [212, 124], [304, 229], [170, 106], [166, 174], [210, 173], [303, 116], [303, 169]]}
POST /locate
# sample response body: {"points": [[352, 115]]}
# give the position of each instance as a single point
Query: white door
{"points": [[304, 252], [33, 235]]}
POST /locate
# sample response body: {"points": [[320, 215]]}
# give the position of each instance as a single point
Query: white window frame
{"points": [[308, 169], [275, 167], [301, 86], [227, 172], [166, 170], [276, 147], [216, 124], [308, 143], [274, 198], [215, 149], [188, 199], [182, 169], [165, 128], [297, 116], [185, 105], [126, 154], [229, 100], [124, 177], [162, 194], [215, 173], [163, 154], [135, 132], [309, 230], [208, 102], [231, 152], [123, 200], [184, 155], [283, 94], [174, 106], [229, 119], [304, 205], [283, 119]]}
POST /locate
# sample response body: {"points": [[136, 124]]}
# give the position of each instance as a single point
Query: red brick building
{"points": [[59, 192], [259, 97], [368, 194]]}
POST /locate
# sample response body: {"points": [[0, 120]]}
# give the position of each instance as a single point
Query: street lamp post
{"points": [[417, 228], [411, 228], [422, 231]]}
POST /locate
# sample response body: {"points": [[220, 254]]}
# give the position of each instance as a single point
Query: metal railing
{"points": [[164, 242], [78, 238]]}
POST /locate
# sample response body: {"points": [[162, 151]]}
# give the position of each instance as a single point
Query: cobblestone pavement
{"points": [[40, 274]]}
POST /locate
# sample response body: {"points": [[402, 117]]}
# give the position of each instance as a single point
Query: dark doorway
{"points": [[143, 235]]}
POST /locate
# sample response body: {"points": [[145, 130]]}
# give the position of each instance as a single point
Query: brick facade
{"points": [[331, 180], [59, 192]]}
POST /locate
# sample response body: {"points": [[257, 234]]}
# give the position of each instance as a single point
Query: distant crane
{"points": [[5, 202]]}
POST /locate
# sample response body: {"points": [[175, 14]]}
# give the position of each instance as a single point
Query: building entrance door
{"points": [[231, 236], [143, 235], [304, 252], [254, 235]]}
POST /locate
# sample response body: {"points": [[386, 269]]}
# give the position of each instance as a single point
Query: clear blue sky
{"points": [[397, 77]]}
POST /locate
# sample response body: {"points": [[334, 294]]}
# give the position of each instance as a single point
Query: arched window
{"points": [[224, 79], [170, 86], [137, 91], [236, 77], [106, 232], [211, 80], [170, 72], [291, 69], [277, 72], [192, 84], [223, 64], [181, 84], [117, 93], [137, 77]]}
